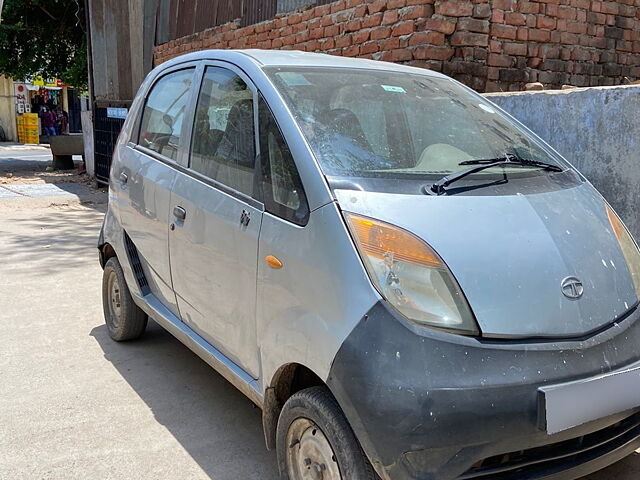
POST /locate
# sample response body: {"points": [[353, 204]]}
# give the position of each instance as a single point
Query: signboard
{"points": [[21, 95], [38, 81], [113, 112]]}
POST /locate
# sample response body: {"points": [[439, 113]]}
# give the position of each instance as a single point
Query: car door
{"points": [[147, 170], [216, 217]]}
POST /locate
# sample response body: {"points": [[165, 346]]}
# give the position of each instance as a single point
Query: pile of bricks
{"points": [[490, 45]]}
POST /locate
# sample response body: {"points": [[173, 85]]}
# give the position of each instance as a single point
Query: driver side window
{"points": [[163, 113]]}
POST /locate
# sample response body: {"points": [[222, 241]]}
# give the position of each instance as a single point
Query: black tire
{"points": [[318, 405], [131, 321]]}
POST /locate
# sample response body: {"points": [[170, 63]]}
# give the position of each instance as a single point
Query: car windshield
{"points": [[375, 123]]}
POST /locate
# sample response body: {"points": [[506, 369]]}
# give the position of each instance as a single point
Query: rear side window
{"points": [[281, 184], [223, 143], [164, 112]]}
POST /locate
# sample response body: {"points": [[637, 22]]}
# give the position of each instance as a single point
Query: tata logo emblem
{"points": [[572, 288]]}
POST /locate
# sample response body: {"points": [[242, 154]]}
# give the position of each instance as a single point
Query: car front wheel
{"points": [[315, 441]]}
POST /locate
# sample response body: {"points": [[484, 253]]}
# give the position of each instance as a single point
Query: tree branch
{"points": [[45, 11]]}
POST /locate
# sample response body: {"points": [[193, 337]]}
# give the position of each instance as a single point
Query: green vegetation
{"points": [[44, 37]]}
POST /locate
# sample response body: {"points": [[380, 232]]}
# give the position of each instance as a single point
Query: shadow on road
{"points": [[58, 234], [215, 423], [19, 161]]}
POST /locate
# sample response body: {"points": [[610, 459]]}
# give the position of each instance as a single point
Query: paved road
{"points": [[75, 405], [21, 159], [14, 158]]}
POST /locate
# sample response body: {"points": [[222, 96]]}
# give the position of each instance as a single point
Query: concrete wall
{"points": [[596, 129], [119, 30], [8, 108]]}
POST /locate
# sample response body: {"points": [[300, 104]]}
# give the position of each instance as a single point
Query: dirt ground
{"points": [[38, 176]]}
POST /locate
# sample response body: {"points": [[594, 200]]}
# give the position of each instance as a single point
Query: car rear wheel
{"points": [[124, 319], [315, 441]]}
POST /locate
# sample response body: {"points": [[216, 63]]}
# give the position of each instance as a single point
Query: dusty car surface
{"points": [[407, 281]]}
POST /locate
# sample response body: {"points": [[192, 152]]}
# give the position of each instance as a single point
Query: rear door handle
{"points": [[245, 218], [179, 212], [123, 178]]}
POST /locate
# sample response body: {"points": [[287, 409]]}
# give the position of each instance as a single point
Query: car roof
{"points": [[297, 58]]}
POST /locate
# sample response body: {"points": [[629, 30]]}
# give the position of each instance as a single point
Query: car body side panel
{"points": [[141, 204], [213, 260], [309, 306], [111, 233], [144, 214]]}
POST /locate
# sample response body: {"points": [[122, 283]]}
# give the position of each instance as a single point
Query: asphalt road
{"points": [[21, 159], [75, 405], [15, 158]]}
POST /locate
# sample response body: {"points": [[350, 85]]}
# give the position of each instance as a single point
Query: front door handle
{"points": [[179, 212], [123, 178]]}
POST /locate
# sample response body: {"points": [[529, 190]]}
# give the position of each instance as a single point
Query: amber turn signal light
{"points": [[378, 239], [273, 262]]}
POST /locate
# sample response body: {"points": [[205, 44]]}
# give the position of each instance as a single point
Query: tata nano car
{"points": [[407, 281]]}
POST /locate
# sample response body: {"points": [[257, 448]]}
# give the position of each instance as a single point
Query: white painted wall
{"points": [[596, 129]]}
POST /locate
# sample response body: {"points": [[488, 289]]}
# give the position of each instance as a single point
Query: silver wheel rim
{"points": [[309, 453], [115, 304]]}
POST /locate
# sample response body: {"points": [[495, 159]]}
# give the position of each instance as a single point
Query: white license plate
{"points": [[571, 404]]}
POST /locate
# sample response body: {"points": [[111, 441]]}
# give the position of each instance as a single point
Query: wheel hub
{"points": [[115, 305], [310, 456]]}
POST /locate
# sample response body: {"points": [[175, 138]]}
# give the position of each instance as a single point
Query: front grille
{"points": [[136, 264], [540, 461]]}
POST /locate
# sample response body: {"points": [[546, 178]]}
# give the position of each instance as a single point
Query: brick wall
{"points": [[490, 45]]}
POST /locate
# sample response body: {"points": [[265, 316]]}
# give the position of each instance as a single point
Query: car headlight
{"points": [[628, 247], [411, 276]]}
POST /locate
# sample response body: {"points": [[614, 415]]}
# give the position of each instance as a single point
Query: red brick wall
{"points": [[490, 45]]}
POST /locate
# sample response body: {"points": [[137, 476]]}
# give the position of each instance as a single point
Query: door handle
{"points": [[245, 218], [123, 178], [179, 212]]}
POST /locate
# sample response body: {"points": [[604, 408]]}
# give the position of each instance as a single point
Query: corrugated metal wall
{"points": [[190, 16], [124, 32], [288, 5], [256, 11], [179, 18]]}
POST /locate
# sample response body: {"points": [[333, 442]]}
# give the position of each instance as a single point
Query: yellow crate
{"points": [[28, 119]]}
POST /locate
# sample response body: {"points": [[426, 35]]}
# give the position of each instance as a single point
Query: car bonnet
{"points": [[511, 253]]}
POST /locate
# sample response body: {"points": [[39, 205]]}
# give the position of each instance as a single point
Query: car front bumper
{"points": [[431, 405]]}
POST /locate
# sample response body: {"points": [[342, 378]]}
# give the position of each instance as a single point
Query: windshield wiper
{"points": [[439, 187]]}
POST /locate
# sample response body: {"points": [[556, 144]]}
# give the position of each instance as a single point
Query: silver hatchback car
{"points": [[407, 281]]}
